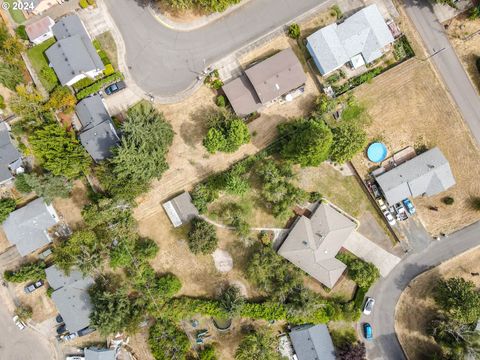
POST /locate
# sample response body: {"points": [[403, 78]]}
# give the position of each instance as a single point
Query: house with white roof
{"points": [[40, 30], [359, 40]]}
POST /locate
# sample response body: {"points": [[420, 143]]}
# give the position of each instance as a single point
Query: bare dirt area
{"points": [[43, 308], [465, 37], [411, 322], [70, 209], [409, 107]]}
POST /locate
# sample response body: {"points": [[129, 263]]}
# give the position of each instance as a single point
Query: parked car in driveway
{"points": [[367, 331], [112, 89], [69, 337], [20, 324], [388, 215], [62, 329], [410, 208], [375, 191], [401, 212], [367, 309], [86, 331], [34, 286]]}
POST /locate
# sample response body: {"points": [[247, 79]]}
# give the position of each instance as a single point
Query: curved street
{"points": [[166, 62], [388, 290]]}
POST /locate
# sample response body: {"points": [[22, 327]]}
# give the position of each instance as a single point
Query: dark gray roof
{"points": [[99, 354], [312, 342], [71, 297], [180, 209], [426, 174], [8, 153], [276, 76], [312, 244], [98, 134], [242, 96], [73, 53], [27, 227]]}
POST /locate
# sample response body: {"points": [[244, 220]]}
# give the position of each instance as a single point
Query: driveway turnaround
{"points": [[387, 291], [446, 61], [166, 62]]}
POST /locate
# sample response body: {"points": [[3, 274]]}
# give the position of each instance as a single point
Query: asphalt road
{"points": [[388, 290], [447, 63], [165, 62], [22, 345]]}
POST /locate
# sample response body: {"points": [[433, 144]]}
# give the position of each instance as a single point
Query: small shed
{"points": [[180, 209]]}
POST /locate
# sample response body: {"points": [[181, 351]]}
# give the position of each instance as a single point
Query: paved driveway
{"points": [[388, 290], [369, 251], [166, 62]]}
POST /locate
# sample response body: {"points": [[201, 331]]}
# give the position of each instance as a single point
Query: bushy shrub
{"points": [[99, 85], [167, 341], [27, 272], [202, 238], [220, 101], [109, 70], [83, 4], [167, 285], [3, 105], [226, 132], [21, 32], [294, 31], [7, 205], [448, 200], [184, 307], [208, 353], [362, 272]]}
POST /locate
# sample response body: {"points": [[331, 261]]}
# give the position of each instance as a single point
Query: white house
{"points": [[40, 30], [359, 40]]}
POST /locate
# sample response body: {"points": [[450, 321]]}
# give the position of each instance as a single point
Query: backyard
{"points": [[411, 322], [39, 61], [411, 100]]}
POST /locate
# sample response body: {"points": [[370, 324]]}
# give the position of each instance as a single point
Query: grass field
{"points": [[17, 15], [108, 45], [38, 59], [411, 322]]}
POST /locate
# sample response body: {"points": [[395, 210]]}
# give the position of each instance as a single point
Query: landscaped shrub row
{"points": [[99, 85], [402, 49]]}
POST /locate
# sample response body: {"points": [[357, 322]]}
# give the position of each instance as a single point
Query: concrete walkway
{"points": [[367, 250]]}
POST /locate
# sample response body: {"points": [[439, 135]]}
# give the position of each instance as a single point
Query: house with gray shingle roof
{"points": [[264, 82], [97, 134], [100, 354], [180, 209], [425, 175], [73, 56], [359, 40], [71, 297], [10, 157], [28, 227], [313, 243], [312, 342]]}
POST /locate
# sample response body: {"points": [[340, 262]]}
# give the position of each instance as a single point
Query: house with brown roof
{"points": [[313, 242], [261, 84], [40, 30]]}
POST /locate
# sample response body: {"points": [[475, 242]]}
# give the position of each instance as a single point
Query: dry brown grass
{"points": [[416, 307], [466, 41], [70, 209], [409, 106], [42, 306]]}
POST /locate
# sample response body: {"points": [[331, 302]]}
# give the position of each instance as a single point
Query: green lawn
{"points": [[17, 15], [39, 61]]}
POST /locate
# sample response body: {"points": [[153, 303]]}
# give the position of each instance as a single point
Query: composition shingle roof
{"points": [[312, 244], [426, 174], [73, 53], [312, 342], [180, 209], [8, 153], [242, 96], [99, 354], [365, 33], [97, 135], [39, 27], [27, 227], [71, 297], [277, 75]]}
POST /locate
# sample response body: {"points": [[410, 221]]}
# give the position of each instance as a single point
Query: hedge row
{"points": [[99, 85]]}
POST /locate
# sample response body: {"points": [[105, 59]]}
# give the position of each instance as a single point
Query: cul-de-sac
{"points": [[239, 180]]}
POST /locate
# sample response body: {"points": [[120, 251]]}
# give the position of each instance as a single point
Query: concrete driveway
{"points": [[166, 62], [371, 252]]}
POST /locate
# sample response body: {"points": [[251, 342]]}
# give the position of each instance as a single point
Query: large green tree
{"points": [[459, 299], [305, 142], [47, 186], [261, 344], [7, 205], [10, 75], [226, 132], [348, 140], [59, 151]]}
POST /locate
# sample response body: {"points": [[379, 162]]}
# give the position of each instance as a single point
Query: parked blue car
{"points": [[367, 331], [410, 208]]}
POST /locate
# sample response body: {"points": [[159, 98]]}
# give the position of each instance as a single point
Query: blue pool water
{"points": [[377, 152]]}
